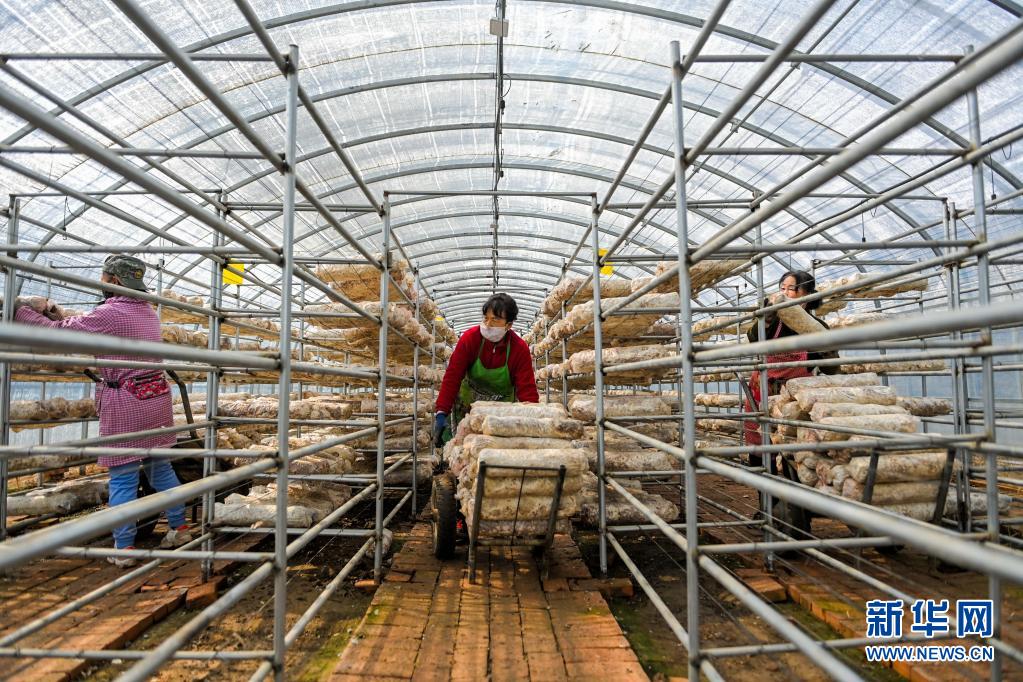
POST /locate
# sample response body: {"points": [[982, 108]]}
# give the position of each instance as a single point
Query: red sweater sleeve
{"points": [[458, 364], [520, 366]]}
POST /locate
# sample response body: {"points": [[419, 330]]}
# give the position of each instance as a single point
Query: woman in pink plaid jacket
{"points": [[124, 408]]}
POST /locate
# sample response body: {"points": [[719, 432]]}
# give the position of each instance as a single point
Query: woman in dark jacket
{"points": [[793, 284]]}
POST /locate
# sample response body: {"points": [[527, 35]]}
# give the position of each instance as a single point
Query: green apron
{"points": [[481, 383]]}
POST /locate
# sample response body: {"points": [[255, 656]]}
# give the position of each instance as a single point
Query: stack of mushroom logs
{"points": [[548, 435], [360, 336], [629, 329], [352, 343], [906, 482], [354, 336], [315, 499], [308, 500], [516, 502], [618, 330], [312, 499], [398, 441], [625, 454], [333, 341]]}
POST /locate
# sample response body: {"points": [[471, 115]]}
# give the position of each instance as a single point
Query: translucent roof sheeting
{"points": [[409, 88]]}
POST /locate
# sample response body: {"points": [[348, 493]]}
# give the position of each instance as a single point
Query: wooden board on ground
{"points": [[110, 622], [431, 623]]}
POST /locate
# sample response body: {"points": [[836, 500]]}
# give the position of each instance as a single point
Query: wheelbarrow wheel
{"points": [[793, 520], [445, 516], [890, 550]]}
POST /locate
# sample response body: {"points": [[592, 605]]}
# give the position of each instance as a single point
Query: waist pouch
{"points": [[148, 385]]}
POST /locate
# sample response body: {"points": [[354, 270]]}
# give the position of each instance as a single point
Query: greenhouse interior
{"points": [[529, 339]]}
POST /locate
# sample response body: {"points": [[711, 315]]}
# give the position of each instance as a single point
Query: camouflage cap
{"points": [[128, 269]]}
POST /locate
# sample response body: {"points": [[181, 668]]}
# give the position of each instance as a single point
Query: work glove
{"points": [[440, 420]]}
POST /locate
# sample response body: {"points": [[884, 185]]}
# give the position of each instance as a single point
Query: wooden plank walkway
{"points": [[427, 622], [110, 622]]}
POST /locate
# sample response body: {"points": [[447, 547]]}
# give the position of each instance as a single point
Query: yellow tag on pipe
{"points": [[608, 268], [231, 277]]}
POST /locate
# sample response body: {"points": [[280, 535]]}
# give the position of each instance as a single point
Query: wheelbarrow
{"points": [[444, 508]]}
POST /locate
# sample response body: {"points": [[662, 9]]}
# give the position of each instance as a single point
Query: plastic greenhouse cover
{"points": [[409, 89]]}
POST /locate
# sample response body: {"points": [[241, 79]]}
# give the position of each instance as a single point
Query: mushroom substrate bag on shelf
{"points": [[894, 467], [876, 395], [64, 498], [892, 493], [49, 410], [620, 511], [584, 408]]}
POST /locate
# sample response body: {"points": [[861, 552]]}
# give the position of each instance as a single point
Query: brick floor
{"points": [[433, 624], [839, 600], [110, 622]]}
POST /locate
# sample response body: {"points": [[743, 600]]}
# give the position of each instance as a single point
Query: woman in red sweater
{"points": [[490, 362]]}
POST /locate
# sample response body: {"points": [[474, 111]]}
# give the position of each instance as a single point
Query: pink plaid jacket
{"points": [[119, 411]]}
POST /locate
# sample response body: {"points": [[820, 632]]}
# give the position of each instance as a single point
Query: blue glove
{"points": [[440, 420]]}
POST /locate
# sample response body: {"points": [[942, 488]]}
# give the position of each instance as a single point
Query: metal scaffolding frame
{"points": [[961, 334], [29, 344], [985, 552]]}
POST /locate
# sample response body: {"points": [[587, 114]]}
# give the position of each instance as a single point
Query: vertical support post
{"points": [[685, 291], [987, 372], [598, 378], [283, 414], [564, 359], [347, 388], [767, 460], [547, 364], [301, 343], [415, 417], [923, 379], [159, 281], [87, 388], [433, 401], [210, 465], [680, 391], [10, 293], [960, 392], [378, 549], [43, 433]]}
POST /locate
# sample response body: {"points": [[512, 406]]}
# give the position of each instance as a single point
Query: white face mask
{"points": [[493, 334]]}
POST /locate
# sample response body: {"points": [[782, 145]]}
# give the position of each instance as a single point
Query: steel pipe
{"points": [[1004, 50], [812, 648], [909, 326], [981, 557]]}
